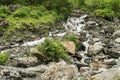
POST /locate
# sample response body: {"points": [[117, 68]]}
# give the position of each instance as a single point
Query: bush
{"points": [[53, 49], [104, 13], [4, 11], [20, 14], [63, 7], [3, 58]]}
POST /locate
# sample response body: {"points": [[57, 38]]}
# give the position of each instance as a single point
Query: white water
{"points": [[74, 25]]}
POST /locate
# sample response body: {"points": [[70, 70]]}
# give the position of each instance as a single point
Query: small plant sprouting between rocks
{"points": [[72, 37], [53, 49], [3, 58]]}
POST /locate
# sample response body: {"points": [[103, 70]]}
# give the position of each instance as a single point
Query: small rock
{"points": [[96, 39], [117, 40], [116, 34], [114, 53], [96, 65], [25, 62], [69, 46], [110, 62]]}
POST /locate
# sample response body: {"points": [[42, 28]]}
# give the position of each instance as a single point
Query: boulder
{"points": [[61, 71], [55, 71], [25, 62], [110, 74], [69, 46], [94, 49]]}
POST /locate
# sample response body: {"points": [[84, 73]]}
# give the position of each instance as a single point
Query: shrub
{"points": [[19, 14], [4, 11], [22, 12], [3, 58], [104, 13], [53, 49]]}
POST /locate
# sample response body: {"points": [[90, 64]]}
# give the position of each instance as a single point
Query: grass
{"points": [[3, 58], [28, 17]]}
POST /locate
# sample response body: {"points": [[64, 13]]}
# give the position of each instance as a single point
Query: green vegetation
{"points": [[73, 37], [53, 49], [3, 58]]}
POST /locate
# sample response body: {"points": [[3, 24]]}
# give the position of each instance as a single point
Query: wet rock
{"points": [[69, 46], [117, 40], [25, 62], [110, 74]]}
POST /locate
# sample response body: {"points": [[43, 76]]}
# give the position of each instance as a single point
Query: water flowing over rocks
{"points": [[97, 59]]}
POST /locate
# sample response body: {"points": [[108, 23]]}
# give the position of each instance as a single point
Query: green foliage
{"points": [[72, 37], [104, 13], [4, 11], [53, 49], [20, 14], [3, 58]]}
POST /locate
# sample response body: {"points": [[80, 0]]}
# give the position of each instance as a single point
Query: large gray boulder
{"points": [[61, 71], [110, 74], [52, 71]]}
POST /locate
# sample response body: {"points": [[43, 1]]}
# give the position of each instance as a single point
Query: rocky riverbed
{"points": [[98, 59]]}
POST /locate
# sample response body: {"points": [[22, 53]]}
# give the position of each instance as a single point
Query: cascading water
{"points": [[76, 25]]}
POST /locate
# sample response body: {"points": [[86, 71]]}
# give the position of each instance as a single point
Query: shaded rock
{"points": [[25, 62], [69, 46], [114, 53], [116, 34], [39, 68], [107, 75], [110, 62], [12, 73], [36, 53], [117, 40], [108, 29], [94, 49]]}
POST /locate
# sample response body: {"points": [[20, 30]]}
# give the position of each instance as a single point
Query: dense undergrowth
{"points": [[35, 14]]}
